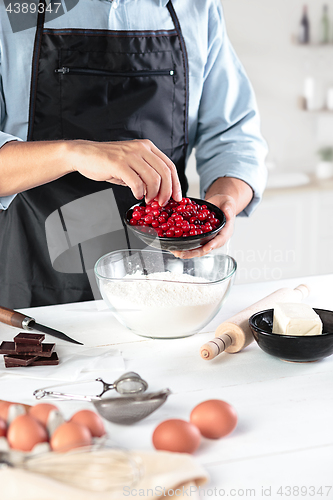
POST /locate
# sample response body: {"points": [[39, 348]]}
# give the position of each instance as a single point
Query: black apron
{"points": [[97, 85]]}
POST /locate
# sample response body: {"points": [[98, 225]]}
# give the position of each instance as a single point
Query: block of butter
{"points": [[296, 319]]}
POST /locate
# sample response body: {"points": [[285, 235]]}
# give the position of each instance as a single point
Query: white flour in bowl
{"points": [[164, 304]]}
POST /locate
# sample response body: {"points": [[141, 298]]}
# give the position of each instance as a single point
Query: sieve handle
{"points": [[42, 393]]}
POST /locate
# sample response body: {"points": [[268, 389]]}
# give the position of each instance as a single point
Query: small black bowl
{"points": [[293, 347], [150, 238]]}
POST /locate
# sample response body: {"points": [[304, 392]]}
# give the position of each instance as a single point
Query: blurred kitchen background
{"points": [[286, 47]]}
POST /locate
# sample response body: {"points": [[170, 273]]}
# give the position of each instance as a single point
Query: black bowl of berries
{"points": [[183, 225]]}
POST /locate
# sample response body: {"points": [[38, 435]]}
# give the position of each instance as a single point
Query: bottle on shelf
{"points": [[304, 27], [329, 98], [309, 94], [325, 26]]}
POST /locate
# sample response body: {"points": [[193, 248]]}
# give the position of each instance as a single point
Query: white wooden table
{"points": [[283, 443]]}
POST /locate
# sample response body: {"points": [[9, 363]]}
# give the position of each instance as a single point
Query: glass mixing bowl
{"points": [[156, 295]]}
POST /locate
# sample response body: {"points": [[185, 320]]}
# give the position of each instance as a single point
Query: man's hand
{"points": [[138, 164], [228, 206], [231, 196]]}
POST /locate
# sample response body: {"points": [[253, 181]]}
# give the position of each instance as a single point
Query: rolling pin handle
{"points": [[214, 347], [304, 289]]}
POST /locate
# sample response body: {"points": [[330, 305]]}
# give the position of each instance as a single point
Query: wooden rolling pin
{"points": [[234, 334]]}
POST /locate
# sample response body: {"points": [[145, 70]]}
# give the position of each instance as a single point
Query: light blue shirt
{"points": [[224, 126]]}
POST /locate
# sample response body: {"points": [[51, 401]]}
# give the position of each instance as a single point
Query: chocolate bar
{"points": [[16, 361], [7, 347], [24, 348], [29, 338], [10, 348], [52, 360], [11, 361]]}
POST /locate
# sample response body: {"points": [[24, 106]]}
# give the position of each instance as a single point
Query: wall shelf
{"points": [[314, 45], [318, 111]]}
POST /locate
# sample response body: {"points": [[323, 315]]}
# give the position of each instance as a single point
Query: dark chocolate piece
{"points": [[19, 360], [29, 338], [12, 365], [47, 351], [9, 348], [24, 348], [52, 360]]}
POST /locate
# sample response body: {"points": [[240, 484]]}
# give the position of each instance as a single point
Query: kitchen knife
{"points": [[19, 320]]}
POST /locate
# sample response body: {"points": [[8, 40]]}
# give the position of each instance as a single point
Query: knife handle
{"points": [[13, 318]]}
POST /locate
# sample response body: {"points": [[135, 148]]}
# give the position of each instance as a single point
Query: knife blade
{"points": [[14, 318]]}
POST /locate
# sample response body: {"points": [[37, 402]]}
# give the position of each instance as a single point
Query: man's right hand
{"points": [[138, 164]]}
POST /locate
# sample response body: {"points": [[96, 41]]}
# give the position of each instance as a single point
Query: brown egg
{"points": [[41, 412], [3, 427], [4, 407], [25, 432], [91, 420], [214, 418], [70, 435], [9, 410], [176, 435]]}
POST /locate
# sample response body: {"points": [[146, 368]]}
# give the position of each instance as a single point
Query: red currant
{"points": [[178, 232]]}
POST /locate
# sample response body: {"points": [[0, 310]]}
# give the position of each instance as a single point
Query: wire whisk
{"points": [[98, 470]]}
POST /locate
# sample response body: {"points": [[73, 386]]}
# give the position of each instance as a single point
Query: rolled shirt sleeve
{"points": [[228, 140]]}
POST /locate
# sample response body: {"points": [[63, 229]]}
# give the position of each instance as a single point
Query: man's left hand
{"points": [[228, 206]]}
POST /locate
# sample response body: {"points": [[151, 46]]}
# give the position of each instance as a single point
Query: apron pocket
{"points": [[119, 103]]}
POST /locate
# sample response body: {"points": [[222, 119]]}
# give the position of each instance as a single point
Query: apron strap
{"points": [[35, 63], [176, 23]]}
